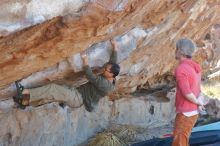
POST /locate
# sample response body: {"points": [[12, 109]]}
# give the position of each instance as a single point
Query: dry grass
{"points": [[106, 139], [211, 89], [117, 135], [127, 133]]}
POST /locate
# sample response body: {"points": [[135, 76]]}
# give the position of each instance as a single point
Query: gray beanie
{"points": [[186, 46]]}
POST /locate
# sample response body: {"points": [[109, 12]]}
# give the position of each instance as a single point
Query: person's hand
{"points": [[202, 110], [114, 46], [84, 58], [199, 103], [201, 107]]}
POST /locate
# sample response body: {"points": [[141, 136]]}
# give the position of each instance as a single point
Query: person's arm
{"points": [[100, 83], [113, 57], [89, 74], [191, 97], [93, 78]]}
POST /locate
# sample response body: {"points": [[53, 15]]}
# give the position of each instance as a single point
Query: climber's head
{"points": [[111, 70]]}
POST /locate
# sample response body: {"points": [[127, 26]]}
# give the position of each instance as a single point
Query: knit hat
{"points": [[186, 46]]}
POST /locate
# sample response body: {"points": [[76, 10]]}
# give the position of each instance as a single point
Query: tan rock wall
{"points": [[38, 47]]}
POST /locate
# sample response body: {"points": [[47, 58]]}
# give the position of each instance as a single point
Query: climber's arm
{"points": [[113, 57]]}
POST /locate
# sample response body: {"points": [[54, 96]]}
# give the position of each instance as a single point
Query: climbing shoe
{"points": [[22, 100]]}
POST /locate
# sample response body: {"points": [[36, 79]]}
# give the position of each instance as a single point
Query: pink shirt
{"points": [[188, 79]]}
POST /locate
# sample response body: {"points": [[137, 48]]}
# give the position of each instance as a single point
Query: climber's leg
{"points": [[56, 93]]}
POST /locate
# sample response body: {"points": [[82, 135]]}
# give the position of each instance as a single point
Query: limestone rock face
{"points": [[215, 53], [40, 42], [52, 125], [145, 31]]}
